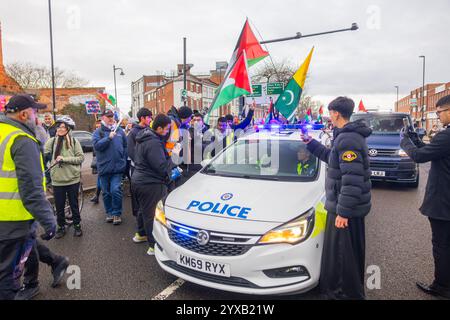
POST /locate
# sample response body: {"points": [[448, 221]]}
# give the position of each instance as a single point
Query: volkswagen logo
{"points": [[226, 196], [203, 237], [373, 152]]}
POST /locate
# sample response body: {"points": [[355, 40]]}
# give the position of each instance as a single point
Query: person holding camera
{"points": [[436, 204]]}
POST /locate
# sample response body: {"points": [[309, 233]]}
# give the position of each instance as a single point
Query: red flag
{"points": [[248, 42], [361, 107], [321, 110], [105, 97]]}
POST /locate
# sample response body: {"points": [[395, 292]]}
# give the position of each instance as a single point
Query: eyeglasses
{"points": [[440, 111]]}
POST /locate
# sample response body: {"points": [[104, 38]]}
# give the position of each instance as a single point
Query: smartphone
{"points": [[407, 125]]}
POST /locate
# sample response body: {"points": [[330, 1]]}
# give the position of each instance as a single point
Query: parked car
{"points": [[85, 139]]}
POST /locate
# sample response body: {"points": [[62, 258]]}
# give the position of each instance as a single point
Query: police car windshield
{"points": [[382, 123], [283, 160]]}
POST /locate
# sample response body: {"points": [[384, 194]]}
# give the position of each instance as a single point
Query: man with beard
{"points": [[23, 199]]}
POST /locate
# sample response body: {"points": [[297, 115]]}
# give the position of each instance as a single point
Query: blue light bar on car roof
{"points": [[291, 126]]}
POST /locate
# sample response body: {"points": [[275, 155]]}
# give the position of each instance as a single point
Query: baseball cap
{"points": [[21, 102], [108, 113]]}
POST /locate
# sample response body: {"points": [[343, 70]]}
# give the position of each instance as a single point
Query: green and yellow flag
{"points": [[288, 101]]}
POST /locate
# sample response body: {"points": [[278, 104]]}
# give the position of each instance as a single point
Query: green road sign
{"points": [[257, 91], [275, 88], [184, 93]]}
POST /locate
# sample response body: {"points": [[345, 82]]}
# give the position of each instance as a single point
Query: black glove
{"points": [[49, 234], [411, 135]]}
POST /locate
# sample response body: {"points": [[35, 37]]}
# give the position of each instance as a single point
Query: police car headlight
{"points": [[160, 215], [402, 153], [292, 232]]}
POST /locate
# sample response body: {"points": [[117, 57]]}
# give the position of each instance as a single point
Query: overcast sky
{"points": [[144, 36]]}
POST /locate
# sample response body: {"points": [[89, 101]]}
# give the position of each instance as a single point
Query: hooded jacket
{"points": [[348, 182], [153, 163], [26, 153], [131, 141]]}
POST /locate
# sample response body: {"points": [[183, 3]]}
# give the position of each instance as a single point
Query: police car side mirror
{"points": [[205, 162]]}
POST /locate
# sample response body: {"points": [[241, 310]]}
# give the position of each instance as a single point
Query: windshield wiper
{"points": [[261, 178]]}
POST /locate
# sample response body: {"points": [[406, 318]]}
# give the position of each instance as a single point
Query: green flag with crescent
{"points": [[288, 101]]}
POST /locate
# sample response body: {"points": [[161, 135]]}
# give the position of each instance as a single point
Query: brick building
{"points": [[159, 93], [414, 103], [140, 87], [65, 96], [162, 98]]}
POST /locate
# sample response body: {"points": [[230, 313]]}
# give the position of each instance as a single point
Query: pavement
{"points": [[113, 267]]}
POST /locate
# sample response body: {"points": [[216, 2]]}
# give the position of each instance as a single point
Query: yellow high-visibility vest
{"points": [[11, 206], [174, 137]]}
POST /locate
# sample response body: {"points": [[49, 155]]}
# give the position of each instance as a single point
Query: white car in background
{"points": [[254, 225]]}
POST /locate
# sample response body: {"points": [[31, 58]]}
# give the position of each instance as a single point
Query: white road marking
{"points": [[169, 290]]}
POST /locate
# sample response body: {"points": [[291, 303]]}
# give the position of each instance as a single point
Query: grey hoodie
{"points": [[26, 155]]}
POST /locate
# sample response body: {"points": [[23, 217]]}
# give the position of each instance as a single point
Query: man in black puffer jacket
{"points": [[152, 173], [348, 202]]}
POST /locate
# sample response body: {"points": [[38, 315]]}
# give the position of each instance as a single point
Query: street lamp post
{"points": [[184, 71], [51, 57], [115, 84], [299, 35], [397, 87], [423, 91]]}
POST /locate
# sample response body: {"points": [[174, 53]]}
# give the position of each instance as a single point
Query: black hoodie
{"points": [[153, 163], [348, 178], [131, 141]]}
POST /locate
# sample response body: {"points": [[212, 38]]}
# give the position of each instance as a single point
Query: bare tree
{"points": [[32, 76], [277, 71]]}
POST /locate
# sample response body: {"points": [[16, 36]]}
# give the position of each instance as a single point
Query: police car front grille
{"points": [[210, 249]]}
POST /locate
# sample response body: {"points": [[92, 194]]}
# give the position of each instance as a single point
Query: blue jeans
{"points": [[112, 193]]}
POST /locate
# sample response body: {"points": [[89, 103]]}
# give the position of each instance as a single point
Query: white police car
{"points": [[252, 221]]}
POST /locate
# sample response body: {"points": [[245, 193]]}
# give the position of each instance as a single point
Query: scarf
{"points": [[59, 144]]}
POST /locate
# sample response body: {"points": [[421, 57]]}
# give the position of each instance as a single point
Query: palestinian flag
{"points": [[308, 116], [112, 100], [288, 101], [108, 98], [320, 117], [247, 42], [236, 84]]}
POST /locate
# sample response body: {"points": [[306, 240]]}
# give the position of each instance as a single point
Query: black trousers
{"points": [[61, 194], [343, 260], [134, 202], [148, 197], [441, 252], [13, 255], [39, 253]]}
